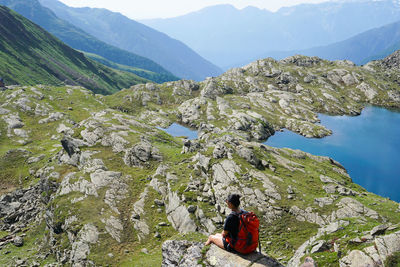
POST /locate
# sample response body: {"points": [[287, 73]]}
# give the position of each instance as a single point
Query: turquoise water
{"points": [[368, 146], [179, 130]]}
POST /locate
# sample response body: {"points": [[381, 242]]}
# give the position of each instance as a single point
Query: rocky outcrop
{"points": [[123, 182], [23, 206], [192, 254], [140, 154]]}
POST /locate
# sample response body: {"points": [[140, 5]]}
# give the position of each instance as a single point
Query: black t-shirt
{"points": [[232, 225]]}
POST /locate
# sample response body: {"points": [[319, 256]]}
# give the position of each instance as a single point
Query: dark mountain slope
{"points": [[127, 34], [29, 55], [80, 40]]}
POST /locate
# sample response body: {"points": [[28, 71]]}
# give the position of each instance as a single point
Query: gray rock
{"points": [[157, 235], [220, 151], [21, 133], [357, 258], [159, 203], [18, 241], [190, 146], [13, 121], [290, 190], [69, 146], [189, 254], [102, 178], [219, 257], [320, 246], [140, 154], [179, 253], [388, 244], [349, 208], [4, 111], [35, 159], [114, 227], [212, 89], [192, 209], [52, 117], [249, 156], [178, 215], [323, 201], [23, 104], [379, 230]]}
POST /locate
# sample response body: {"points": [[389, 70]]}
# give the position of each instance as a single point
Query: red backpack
{"points": [[248, 235]]}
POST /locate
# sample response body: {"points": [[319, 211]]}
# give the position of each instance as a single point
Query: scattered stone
{"points": [[356, 258], [379, 230], [159, 203], [144, 250], [141, 154], [157, 235], [18, 241], [290, 190], [320, 246], [192, 208]]}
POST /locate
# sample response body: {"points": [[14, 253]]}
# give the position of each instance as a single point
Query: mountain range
{"points": [[29, 55], [120, 31], [78, 39], [228, 36], [362, 48]]}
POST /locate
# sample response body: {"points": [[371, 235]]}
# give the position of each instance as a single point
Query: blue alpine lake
{"points": [[179, 130], [368, 146]]}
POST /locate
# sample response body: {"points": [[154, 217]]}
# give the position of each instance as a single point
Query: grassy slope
{"points": [[30, 55], [146, 74], [78, 39], [279, 238]]}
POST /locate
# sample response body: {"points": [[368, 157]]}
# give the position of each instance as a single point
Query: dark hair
{"points": [[234, 199]]}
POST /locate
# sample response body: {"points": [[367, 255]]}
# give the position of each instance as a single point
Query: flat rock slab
{"points": [[219, 257], [185, 253]]}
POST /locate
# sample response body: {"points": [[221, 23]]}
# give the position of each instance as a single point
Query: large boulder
{"points": [[185, 254], [140, 154]]}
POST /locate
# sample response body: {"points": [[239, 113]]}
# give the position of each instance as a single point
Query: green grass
{"points": [[49, 61], [393, 260]]}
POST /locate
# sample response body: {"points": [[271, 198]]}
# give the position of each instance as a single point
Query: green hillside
{"points": [[78, 39], [150, 75], [29, 55]]}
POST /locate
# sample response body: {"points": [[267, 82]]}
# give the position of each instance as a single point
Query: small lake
{"points": [[368, 146], [179, 130]]}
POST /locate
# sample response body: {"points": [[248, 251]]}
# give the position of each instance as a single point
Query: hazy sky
{"points": [[141, 9]]}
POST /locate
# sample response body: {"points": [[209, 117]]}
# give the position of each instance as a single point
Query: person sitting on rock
{"points": [[231, 226]]}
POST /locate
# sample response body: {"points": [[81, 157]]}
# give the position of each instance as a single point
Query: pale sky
{"points": [[144, 9]]}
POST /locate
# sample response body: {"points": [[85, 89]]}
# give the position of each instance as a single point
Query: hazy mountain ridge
{"points": [[80, 40], [127, 34], [102, 185], [244, 35], [29, 55], [362, 48]]}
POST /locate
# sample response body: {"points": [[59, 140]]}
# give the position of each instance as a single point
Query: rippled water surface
{"points": [[367, 145]]}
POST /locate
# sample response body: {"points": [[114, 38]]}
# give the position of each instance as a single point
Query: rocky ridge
{"points": [[102, 185]]}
